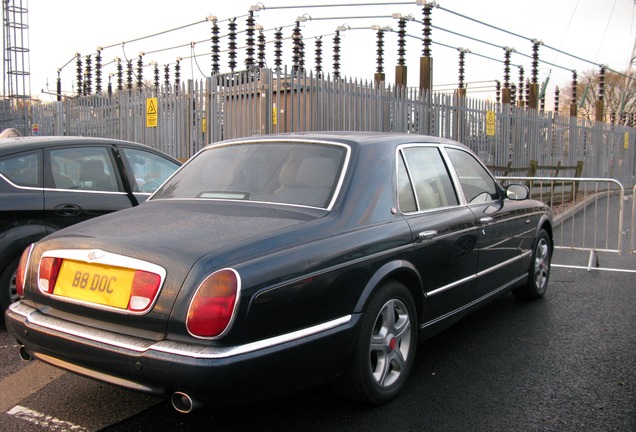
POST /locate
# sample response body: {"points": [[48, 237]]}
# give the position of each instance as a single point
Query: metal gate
{"points": [[589, 216]]}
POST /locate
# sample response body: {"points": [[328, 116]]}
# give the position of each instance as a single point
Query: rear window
{"points": [[149, 169], [304, 174], [24, 169]]}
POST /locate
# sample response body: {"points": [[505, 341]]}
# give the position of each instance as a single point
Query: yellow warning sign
{"points": [[151, 112], [490, 123], [626, 141]]}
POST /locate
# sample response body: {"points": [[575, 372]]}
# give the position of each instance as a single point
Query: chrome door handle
{"points": [[485, 220], [425, 235]]}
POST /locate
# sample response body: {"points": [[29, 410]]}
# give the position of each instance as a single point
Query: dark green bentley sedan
{"points": [[273, 263]]}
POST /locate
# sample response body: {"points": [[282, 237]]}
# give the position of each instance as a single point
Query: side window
{"points": [[406, 198], [83, 168], [476, 182], [24, 169], [431, 181], [148, 169]]}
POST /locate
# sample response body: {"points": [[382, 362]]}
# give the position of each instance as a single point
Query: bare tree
{"points": [[619, 96]]}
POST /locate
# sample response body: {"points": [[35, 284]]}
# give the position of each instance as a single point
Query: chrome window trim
{"points": [[339, 183], [48, 189], [455, 177], [449, 168], [272, 203], [34, 188], [84, 191]]}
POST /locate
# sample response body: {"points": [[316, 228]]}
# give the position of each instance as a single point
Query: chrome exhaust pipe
{"points": [[183, 403], [24, 355]]}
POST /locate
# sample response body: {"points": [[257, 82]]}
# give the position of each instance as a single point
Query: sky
{"points": [[597, 31]]}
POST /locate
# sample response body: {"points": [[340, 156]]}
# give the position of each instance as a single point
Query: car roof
{"points": [[16, 144], [352, 138]]}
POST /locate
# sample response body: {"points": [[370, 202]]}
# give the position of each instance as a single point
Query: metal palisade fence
{"points": [[188, 116]]}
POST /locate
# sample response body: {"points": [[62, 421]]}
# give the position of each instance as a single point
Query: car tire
{"points": [[385, 347], [539, 271], [8, 292]]}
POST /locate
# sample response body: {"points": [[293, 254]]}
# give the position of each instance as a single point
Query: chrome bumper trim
{"points": [[96, 375], [35, 317]]}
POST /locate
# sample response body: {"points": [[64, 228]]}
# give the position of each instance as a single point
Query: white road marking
{"points": [[25, 382], [44, 420]]}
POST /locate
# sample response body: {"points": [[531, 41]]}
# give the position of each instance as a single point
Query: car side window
{"points": [[477, 184], [406, 197], [429, 176], [149, 170], [24, 169], [83, 168]]}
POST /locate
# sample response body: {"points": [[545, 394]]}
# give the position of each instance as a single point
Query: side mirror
{"points": [[517, 192]]}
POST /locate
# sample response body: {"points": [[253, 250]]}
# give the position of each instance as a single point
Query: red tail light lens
{"points": [[144, 290], [47, 276], [213, 304], [20, 274]]}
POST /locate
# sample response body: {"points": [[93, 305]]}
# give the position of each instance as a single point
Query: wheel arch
{"points": [[546, 224], [402, 271], [19, 239]]}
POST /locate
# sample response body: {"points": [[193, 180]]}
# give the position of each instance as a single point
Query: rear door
{"points": [[145, 170], [81, 182], [444, 234], [21, 203]]}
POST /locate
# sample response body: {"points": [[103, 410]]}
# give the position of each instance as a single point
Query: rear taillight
{"points": [[20, 274], [213, 304], [47, 275], [144, 290]]}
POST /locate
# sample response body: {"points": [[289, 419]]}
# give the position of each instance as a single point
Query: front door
{"points": [[81, 183], [501, 242]]}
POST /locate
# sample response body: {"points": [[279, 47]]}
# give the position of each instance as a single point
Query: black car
{"points": [[49, 183], [268, 264]]}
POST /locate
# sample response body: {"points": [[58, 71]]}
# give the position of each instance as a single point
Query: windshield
{"points": [[305, 174]]}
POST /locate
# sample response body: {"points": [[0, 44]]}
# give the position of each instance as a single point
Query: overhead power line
{"points": [[260, 6]]}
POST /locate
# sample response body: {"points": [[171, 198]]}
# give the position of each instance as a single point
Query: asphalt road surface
{"points": [[563, 363]]}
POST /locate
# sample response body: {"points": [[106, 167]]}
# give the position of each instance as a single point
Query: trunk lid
{"points": [[171, 234]]}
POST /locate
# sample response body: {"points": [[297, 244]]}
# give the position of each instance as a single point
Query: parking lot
{"points": [[563, 363]]}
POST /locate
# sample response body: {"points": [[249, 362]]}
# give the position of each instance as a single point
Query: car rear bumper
{"points": [[220, 374]]}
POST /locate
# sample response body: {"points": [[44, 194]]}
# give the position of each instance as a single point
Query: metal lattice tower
{"points": [[17, 75]]}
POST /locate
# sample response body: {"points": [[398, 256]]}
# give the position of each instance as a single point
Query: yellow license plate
{"points": [[95, 283]]}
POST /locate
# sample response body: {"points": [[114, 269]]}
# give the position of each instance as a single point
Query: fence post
{"points": [[532, 171], [579, 169], [265, 90], [577, 173]]}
